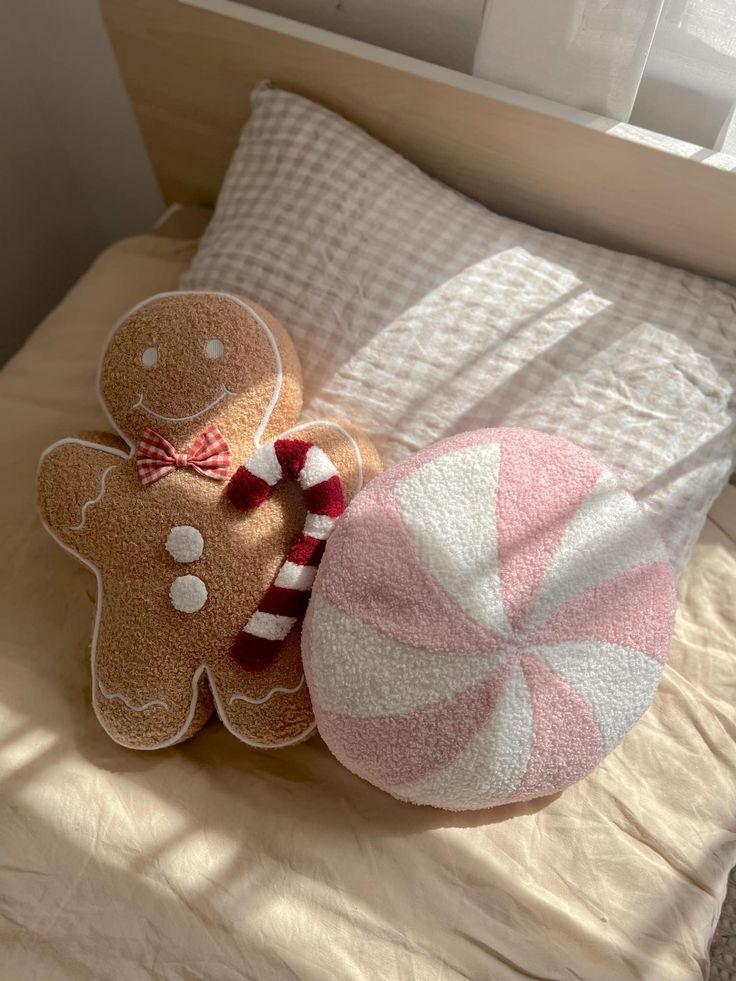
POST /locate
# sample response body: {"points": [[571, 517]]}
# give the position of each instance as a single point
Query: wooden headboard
{"points": [[189, 70]]}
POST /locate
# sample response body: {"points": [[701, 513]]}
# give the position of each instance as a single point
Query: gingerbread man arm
{"points": [[353, 454], [72, 474]]}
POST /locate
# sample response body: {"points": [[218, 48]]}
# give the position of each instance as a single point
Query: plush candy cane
{"points": [[285, 601]]}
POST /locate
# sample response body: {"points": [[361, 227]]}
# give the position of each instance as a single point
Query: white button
{"points": [[184, 544], [188, 594]]}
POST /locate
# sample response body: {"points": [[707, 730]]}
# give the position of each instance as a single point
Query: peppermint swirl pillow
{"points": [[490, 618]]}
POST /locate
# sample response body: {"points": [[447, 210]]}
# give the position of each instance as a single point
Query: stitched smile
{"points": [[140, 404]]}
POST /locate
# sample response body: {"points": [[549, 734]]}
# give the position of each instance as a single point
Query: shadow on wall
{"points": [[74, 172]]}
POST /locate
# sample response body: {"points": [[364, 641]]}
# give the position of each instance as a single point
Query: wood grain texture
{"points": [[189, 72]]}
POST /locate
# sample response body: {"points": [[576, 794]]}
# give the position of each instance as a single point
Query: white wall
{"points": [[440, 31], [73, 171]]}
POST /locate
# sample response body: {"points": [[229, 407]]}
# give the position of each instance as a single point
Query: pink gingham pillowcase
{"points": [[418, 313]]}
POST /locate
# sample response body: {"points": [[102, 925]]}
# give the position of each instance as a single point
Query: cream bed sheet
{"points": [[212, 861]]}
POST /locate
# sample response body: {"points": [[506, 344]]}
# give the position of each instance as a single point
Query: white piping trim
{"points": [[228, 296], [267, 696], [84, 442], [94, 500], [140, 404], [114, 696]]}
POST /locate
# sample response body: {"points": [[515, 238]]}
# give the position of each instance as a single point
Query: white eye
{"points": [[150, 357], [214, 349]]}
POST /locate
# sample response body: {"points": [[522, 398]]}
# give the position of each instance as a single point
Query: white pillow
{"points": [[417, 313]]}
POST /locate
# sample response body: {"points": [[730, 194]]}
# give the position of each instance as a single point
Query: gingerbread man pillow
{"points": [[203, 521]]}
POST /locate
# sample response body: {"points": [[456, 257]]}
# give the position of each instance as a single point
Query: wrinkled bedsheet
{"points": [[213, 861]]}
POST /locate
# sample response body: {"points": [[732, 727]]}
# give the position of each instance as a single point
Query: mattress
{"points": [[213, 861]]}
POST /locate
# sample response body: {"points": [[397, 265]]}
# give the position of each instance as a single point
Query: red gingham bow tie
{"points": [[210, 456]]}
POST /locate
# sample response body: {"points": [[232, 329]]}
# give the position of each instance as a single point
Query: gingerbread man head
{"points": [[202, 548], [182, 361]]}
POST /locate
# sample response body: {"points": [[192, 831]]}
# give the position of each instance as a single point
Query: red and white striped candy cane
{"points": [[285, 601]]}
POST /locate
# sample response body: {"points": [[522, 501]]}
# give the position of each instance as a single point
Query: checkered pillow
{"points": [[418, 313]]}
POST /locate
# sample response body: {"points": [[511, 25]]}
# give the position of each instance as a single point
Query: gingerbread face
{"points": [[204, 531], [185, 360]]}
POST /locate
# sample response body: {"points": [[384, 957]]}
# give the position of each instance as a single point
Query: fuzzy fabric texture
{"points": [[490, 619], [193, 383]]}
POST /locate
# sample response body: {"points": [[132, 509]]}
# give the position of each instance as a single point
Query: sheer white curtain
{"points": [[666, 65], [689, 84]]}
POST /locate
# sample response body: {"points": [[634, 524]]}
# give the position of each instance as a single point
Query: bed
{"points": [[211, 860]]}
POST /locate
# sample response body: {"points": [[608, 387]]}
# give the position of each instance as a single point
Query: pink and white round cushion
{"points": [[490, 618]]}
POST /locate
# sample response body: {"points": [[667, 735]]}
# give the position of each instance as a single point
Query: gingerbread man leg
{"points": [[158, 700], [268, 709]]}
